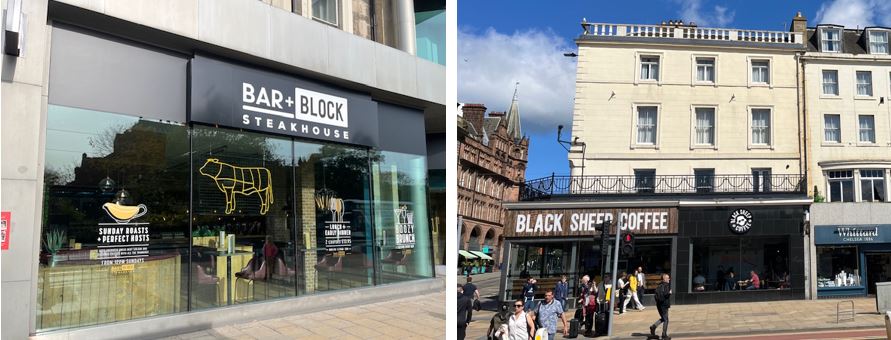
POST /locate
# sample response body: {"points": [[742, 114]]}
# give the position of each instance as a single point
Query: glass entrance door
{"points": [[878, 269]]}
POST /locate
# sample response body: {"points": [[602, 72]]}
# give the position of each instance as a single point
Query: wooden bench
{"points": [[544, 284]]}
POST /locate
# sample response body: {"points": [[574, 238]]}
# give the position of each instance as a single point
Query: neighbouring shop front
{"points": [[546, 244], [216, 183], [852, 258]]}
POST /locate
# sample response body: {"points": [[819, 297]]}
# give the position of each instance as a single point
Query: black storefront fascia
{"points": [[712, 223]]}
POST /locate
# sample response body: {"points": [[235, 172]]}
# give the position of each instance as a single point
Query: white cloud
{"points": [[691, 10], [854, 13], [490, 63]]}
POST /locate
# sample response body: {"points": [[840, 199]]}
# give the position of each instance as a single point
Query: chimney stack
{"points": [[799, 23], [474, 113]]}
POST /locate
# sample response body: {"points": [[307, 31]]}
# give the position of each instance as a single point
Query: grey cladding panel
{"points": [[401, 129], [94, 72]]}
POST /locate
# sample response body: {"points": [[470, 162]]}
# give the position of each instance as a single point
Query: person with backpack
{"points": [[529, 293], [561, 290], [663, 303], [624, 292], [605, 292]]}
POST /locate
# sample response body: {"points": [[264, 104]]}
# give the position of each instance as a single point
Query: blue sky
{"points": [[502, 42]]}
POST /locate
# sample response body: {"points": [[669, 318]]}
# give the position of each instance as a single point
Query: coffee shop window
{"points": [[739, 264], [114, 238], [838, 267], [653, 256]]}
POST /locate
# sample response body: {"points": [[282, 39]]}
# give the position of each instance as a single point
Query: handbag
{"points": [[476, 305]]}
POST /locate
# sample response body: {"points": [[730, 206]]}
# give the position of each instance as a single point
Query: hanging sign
{"points": [[5, 226]]}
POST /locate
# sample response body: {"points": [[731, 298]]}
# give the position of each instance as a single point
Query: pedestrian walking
{"points": [[624, 292], [561, 290], [464, 306], [548, 312], [471, 292], [520, 325], [634, 287], [663, 303], [588, 304], [498, 324], [529, 290]]}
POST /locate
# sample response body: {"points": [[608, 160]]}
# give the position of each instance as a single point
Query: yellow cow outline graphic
{"points": [[231, 180]]}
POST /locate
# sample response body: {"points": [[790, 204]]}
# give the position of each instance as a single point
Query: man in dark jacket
{"points": [[529, 290], [464, 305], [473, 294], [663, 303]]}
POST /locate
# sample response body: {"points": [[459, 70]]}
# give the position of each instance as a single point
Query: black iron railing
{"points": [[547, 187]]}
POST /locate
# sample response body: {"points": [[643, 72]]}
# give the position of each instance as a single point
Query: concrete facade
{"points": [[610, 88], [266, 33]]}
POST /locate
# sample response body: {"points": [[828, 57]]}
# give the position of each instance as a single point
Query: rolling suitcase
{"points": [[573, 328], [601, 323]]}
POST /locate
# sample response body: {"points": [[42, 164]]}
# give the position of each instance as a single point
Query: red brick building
{"points": [[492, 156]]}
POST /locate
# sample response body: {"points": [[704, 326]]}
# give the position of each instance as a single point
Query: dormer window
{"points": [[831, 38], [878, 42]]}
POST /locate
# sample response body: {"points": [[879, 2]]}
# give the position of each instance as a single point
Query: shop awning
{"points": [[467, 254], [482, 255]]}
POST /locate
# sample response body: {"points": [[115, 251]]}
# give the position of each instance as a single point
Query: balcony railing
{"points": [[547, 187], [690, 32]]}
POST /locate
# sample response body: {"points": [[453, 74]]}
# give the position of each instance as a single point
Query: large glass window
{"points": [[115, 233], [430, 32], [841, 186], [838, 267], [399, 182], [872, 185], [729, 264]]}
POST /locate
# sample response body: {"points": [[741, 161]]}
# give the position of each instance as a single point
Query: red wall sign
{"points": [[5, 226]]}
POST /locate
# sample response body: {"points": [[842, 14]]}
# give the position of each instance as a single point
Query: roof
{"points": [[490, 124], [853, 41]]}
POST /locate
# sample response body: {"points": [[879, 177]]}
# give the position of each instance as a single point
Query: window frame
{"points": [[693, 142], [770, 134], [860, 141], [829, 142], [638, 59], [882, 179], [839, 41], [337, 14], [870, 43], [823, 93], [694, 76], [851, 179], [756, 59], [872, 92], [635, 120]]}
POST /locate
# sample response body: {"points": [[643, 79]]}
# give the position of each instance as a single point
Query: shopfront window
{"points": [[739, 264], [653, 256], [399, 182], [115, 233], [838, 267], [242, 227]]}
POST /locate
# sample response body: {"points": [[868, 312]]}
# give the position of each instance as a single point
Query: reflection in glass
{"points": [[728, 263], [92, 270]]}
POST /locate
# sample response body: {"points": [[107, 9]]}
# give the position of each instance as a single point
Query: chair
{"points": [[282, 271], [205, 279], [250, 276]]}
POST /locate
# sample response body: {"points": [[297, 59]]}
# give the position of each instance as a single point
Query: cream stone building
{"points": [[676, 99]]}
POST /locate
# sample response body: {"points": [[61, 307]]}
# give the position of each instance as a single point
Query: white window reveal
{"points": [[830, 82], [325, 10], [831, 39], [649, 68], [761, 126], [867, 129], [832, 128], [705, 126], [705, 70], [878, 42], [761, 71], [646, 125], [872, 185], [841, 186], [864, 83]]}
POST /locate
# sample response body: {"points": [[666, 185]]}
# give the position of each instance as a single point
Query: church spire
{"points": [[513, 117]]}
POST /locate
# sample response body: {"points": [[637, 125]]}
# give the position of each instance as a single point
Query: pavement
{"points": [[415, 317], [793, 319]]}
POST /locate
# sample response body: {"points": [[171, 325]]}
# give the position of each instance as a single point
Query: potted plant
{"points": [[53, 241]]}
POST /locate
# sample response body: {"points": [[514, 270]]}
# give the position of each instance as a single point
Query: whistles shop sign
{"points": [[237, 96], [583, 222]]}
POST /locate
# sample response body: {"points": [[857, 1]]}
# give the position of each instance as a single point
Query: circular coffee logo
{"points": [[740, 221]]}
